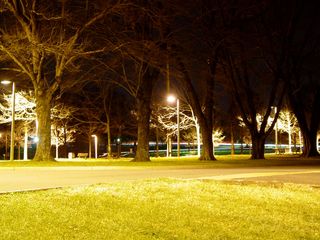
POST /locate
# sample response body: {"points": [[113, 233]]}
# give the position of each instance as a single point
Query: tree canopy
{"points": [[116, 60]]}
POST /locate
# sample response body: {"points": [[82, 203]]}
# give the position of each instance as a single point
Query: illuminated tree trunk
{"points": [[90, 146], [57, 147], [157, 142], [65, 144], [43, 152], [289, 132], [169, 146], [198, 140]]}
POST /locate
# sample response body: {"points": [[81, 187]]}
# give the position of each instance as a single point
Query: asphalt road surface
{"points": [[34, 178]]}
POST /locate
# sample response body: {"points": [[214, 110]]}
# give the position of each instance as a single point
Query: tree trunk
{"points": [[143, 101], [308, 119], [90, 146], [168, 146], [109, 149], [310, 144], [207, 149], [205, 119], [258, 142], [207, 153], [198, 140], [232, 140], [19, 151], [65, 144], [289, 132], [143, 109], [57, 149], [43, 152], [157, 142]]}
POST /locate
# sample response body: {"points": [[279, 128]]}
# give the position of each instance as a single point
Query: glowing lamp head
{"points": [[5, 82], [36, 139], [171, 98]]}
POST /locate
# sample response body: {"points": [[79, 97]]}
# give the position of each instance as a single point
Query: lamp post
{"points": [[6, 82], [172, 99], [95, 146], [119, 146]]}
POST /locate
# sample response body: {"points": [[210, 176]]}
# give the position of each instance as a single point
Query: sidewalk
{"points": [[35, 178]]}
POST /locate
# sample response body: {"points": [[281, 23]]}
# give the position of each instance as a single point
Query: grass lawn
{"points": [[163, 209], [223, 161]]}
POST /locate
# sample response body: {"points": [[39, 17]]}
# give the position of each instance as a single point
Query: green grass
{"points": [[225, 161], [163, 209]]}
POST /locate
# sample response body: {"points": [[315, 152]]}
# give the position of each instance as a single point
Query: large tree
{"points": [[42, 39], [140, 41], [193, 48], [291, 51], [256, 88], [301, 73]]}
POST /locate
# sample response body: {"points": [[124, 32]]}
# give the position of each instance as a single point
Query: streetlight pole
{"points": [[12, 123], [95, 146], [172, 99], [6, 82], [178, 126]]}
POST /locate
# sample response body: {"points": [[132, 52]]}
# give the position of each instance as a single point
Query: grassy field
{"points": [[163, 209], [224, 161]]}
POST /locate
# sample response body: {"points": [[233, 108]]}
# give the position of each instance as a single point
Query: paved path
{"points": [[32, 178]]}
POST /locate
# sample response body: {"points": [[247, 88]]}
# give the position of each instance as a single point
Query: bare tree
{"points": [[287, 122], [25, 107], [25, 114], [166, 119], [245, 92], [291, 52], [45, 38], [256, 87], [141, 43]]}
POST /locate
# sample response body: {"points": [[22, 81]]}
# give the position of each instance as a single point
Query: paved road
{"points": [[22, 179]]}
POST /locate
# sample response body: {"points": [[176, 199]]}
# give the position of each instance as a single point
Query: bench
{"points": [[82, 155]]}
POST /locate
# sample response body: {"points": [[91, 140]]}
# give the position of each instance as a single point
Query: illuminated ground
{"points": [[30, 178]]}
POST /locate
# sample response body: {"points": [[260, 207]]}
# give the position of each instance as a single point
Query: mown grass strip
{"points": [[163, 209]]}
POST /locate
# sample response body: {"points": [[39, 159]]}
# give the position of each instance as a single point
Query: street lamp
{"points": [[119, 146], [6, 82], [95, 146], [172, 99]]}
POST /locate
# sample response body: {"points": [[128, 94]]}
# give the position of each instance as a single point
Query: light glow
{"points": [[171, 98], [5, 82]]}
